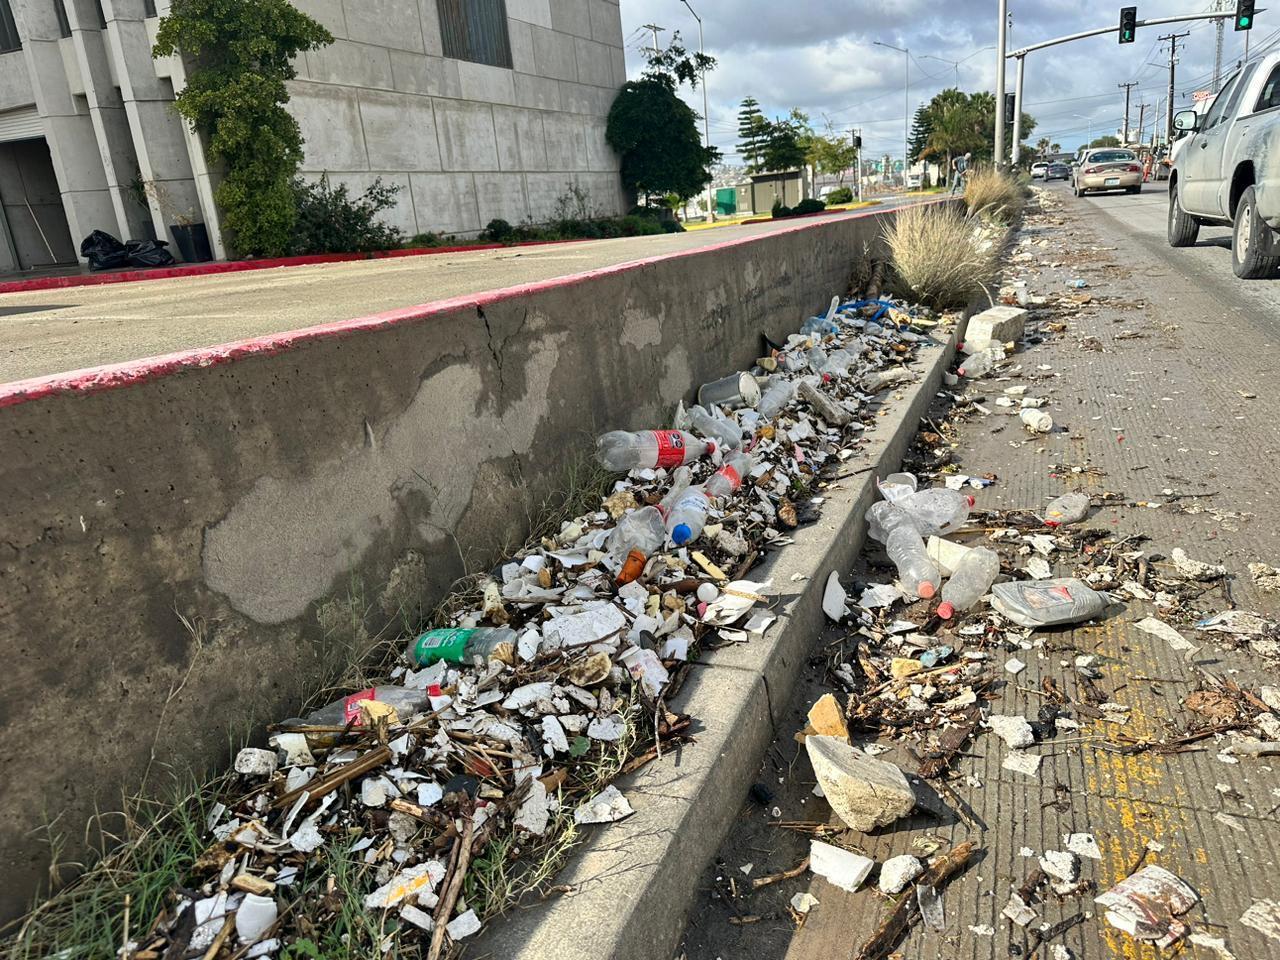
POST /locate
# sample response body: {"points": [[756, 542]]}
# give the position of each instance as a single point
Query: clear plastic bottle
{"points": [[776, 396], [641, 530], [1068, 508], [838, 363], [688, 516], [462, 645], [729, 477], [938, 510], [972, 578], [817, 358], [680, 481], [1037, 421], [981, 363], [894, 527], [621, 450], [724, 432], [346, 711]]}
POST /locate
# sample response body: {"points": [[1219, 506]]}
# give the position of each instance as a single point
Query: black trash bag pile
{"points": [[105, 252]]}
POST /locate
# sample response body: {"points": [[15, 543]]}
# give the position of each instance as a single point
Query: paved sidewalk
{"points": [[1159, 414], [53, 331]]}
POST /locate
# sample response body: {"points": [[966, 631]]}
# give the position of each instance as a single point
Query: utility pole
{"points": [[906, 107], [1219, 6], [856, 136], [1173, 39], [655, 29], [1142, 109], [1001, 45], [1126, 87]]}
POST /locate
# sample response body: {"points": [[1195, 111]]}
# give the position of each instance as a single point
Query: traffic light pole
{"points": [[1001, 56]]}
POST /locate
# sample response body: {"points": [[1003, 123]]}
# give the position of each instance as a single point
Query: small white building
{"points": [[477, 109]]}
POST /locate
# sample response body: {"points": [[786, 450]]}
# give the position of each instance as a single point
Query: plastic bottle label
{"points": [[691, 501], [1042, 598], [351, 705], [671, 448], [440, 645], [731, 475]]}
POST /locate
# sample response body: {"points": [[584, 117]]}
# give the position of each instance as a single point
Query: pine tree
{"points": [[753, 130], [921, 133]]}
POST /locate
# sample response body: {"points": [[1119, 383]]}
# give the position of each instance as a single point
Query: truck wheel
{"points": [[1183, 229], [1251, 241]]}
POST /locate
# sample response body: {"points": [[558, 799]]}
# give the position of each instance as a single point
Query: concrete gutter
{"points": [[634, 882]]}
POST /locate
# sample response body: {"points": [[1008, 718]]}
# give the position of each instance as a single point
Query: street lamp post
{"points": [[1089, 121], [906, 109], [954, 63], [706, 116]]}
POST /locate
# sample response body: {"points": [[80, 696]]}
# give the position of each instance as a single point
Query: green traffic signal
{"points": [[1244, 14], [1242, 23]]}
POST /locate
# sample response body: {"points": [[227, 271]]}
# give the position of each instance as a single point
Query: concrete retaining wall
{"points": [[292, 496]]}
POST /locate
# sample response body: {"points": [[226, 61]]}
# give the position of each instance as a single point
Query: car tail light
{"points": [[1133, 168], [1090, 169]]}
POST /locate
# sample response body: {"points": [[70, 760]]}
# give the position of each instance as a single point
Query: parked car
{"points": [[1225, 172], [1107, 168], [1038, 170], [1057, 171]]}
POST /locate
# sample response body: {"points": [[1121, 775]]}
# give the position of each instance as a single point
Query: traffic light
{"points": [[1128, 23], [857, 141], [1244, 14], [1010, 108]]}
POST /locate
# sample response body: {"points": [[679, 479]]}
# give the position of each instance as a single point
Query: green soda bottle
{"points": [[462, 645]]}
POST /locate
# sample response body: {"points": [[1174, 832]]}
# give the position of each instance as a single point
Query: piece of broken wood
{"points": [[906, 912]]}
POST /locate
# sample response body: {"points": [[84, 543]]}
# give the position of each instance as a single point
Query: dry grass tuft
{"points": [[942, 256], [989, 192]]}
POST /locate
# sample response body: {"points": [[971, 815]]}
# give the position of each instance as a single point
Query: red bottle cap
{"points": [[945, 610], [926, 589], [970, 499]]}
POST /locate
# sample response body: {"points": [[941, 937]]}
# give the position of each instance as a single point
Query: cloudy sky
{"points": [[821, 56]]}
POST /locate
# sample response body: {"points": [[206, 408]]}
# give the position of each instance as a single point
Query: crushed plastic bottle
{"points": [[1037, 421], [729, 477], [894, 527], [724, 432], [946, 554], [838, 364], [972, 578], [823, 405], [640, 531], [825, 325], [462, 645], [680, 481], [688, 516], [981, 363], [937, 511], [776, 396], [1068, 508], [346, 711], [817, 358], [1048, 603], [621, 450], [897, 486]]}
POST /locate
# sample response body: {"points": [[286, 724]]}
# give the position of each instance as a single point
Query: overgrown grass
{"points": [[941, 256], [992, 193], [161, 837]]}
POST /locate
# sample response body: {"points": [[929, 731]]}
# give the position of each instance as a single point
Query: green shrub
{"points": [[779, 208], [810, 205], [498, 231], [840, 195], [330, 220]]}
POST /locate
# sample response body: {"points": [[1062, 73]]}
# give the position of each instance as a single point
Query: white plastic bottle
{"points": [[972, 579], [838, 363], [1037, 421], [776, 396], [680, 481], [938, 510], [729, 477], [620, 450], [981, 363], [1068, 508], [895, 528], [688, 516]]}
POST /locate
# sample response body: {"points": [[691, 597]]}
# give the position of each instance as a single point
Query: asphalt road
{"points": [[1159, 376], [1140, 220], [54, 331]]}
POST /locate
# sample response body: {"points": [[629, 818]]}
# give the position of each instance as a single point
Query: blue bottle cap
{"points": [[681, 534]]}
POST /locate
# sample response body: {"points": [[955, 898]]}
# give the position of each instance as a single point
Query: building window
{"points": [[60, 11], [149, 7], [475, 30], [9, 39]]}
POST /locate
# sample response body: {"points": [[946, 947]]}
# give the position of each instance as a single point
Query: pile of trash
{"points": [[553, 678]]}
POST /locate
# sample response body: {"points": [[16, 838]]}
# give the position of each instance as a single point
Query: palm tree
{"points": [[1043, 146]]}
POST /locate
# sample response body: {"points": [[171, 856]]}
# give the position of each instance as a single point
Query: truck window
{"points": [[1224, 106], [1270, 96], [1214, 116]]}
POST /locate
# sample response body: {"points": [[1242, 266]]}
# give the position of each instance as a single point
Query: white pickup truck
{"points": [[1227, 171]]}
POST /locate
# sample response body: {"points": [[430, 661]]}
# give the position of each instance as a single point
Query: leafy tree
{"points": [[753, 130], [1107, 141], [832, 153], [239, 56], [787, 142], [1055, 148], [656, 132]]}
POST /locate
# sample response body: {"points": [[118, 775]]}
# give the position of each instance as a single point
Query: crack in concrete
{"points": [[493, 350]]}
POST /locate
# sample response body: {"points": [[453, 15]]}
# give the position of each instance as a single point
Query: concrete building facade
{"points": [[476, 109]]}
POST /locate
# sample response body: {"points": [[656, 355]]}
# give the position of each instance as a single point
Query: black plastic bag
{"points": [[148, 253], [103, 251]]}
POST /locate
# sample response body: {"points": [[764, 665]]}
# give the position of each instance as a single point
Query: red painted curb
{"points": [[129, 373], [236, 266]]}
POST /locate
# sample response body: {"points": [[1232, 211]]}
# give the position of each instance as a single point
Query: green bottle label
{"points": [[448, 644]]}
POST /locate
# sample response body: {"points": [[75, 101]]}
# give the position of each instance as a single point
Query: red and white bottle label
{"points": [[351, 706], [731, 475], [671, 448]]}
